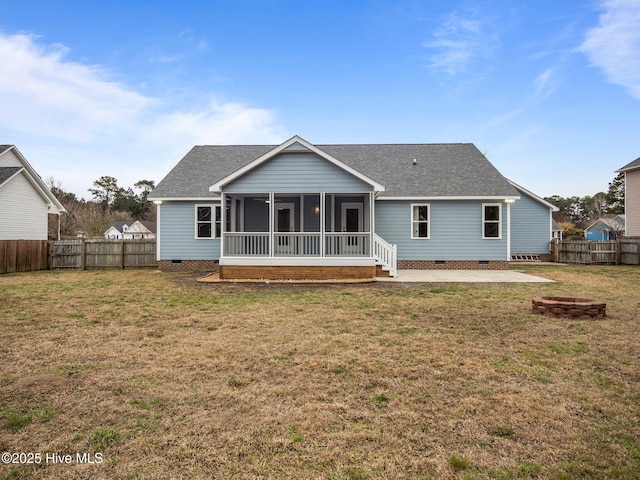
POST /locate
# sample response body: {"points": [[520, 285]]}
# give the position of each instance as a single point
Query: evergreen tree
{"points": [[615, 195]]}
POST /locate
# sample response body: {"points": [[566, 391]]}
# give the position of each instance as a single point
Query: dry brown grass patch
{"points": [[173, 379]]}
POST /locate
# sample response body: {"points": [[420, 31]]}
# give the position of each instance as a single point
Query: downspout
{"points": [[508, 231], [158, 235]]}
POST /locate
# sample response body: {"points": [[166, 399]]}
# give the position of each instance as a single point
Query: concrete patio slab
{"points": [[472, 276]]}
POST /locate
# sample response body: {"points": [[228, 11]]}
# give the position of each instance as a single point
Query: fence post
{"points": [[122, 254], [618, 251], [83, 259]]}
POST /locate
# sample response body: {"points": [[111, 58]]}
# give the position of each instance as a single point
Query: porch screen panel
{"points": [[311, 213]]}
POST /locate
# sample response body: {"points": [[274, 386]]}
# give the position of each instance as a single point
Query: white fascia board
{"points": [[184, 199], [217, 187], [37, 182], [453, 197], [48, 198], [534, 196], [628, 169]]}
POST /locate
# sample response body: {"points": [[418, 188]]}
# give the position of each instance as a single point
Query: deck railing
{"points": [[347, 244], [246, 243], [297, 244], [386, 254]]}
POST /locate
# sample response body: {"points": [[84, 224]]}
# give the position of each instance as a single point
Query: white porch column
{"points": [[322, 220], [272, 204], [223, 221], [372, 223]]}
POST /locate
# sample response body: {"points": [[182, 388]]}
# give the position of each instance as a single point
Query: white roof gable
{"points": [[39, 186]]}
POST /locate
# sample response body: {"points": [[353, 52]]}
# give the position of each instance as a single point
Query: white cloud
{"points": [[44, 94], [217, 122], [73, 121], [614, 45], [458, 41], [545, 83]]}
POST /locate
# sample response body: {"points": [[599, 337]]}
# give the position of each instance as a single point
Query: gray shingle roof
{"points": [[630, 166], [119, 224], [453, 170], [615, 224], [7, 172], [4, 148]]}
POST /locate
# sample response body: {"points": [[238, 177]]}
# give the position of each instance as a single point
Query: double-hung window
{"points": [[492, 220], [420, 223], [208, 221]]}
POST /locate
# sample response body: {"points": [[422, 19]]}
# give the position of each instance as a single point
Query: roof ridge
{"points": [[335, 144]]}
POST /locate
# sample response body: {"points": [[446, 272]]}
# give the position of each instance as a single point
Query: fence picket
{"points": [[625, 251], [30, 255], [100, 253], [23, 255]]}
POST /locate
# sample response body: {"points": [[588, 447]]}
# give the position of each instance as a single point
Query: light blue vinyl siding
{"points": [[177, 234], [456, 231], [299, 172], [595, 233], [530, 226]]}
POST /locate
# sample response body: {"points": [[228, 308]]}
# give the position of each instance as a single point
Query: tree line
{"points": [[110, 203], [577, 213]]}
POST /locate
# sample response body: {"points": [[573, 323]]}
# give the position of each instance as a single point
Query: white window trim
{"points": [[428, 222], [213, 207], [499, 222]]}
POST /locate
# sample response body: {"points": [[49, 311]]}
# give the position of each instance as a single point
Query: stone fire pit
{"points": [[569, 307]]}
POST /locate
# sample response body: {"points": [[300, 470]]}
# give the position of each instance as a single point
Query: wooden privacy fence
{"points": [[23, 255], [625, 251], [100, 253]]}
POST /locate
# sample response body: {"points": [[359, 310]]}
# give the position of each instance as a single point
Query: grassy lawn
{"points": [[161, 377]]}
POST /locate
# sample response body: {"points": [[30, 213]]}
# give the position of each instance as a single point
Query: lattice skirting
{"points": [[188, 265]]}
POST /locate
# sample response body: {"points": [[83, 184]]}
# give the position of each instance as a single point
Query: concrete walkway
{"points": [[473, 276]]}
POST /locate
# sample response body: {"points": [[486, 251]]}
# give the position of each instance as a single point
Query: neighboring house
{"points": [[25, 200], [556, 230], [632, 197], [131, 230], [606, 228], [299, 210]]}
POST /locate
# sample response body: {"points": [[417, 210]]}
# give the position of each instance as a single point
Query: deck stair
{"points": [[386, 255]]}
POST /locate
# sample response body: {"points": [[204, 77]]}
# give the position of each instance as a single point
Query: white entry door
{"points": [[284, 223], [352, 222]]}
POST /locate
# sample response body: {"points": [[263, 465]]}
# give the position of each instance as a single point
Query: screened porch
{"points": [[297, 225]]}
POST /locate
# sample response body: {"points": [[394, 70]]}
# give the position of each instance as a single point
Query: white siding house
{"points": [[131, 230], [25, 200], [632, 197]]}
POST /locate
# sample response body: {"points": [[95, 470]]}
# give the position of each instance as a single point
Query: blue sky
{"points": [[548, 90]]}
